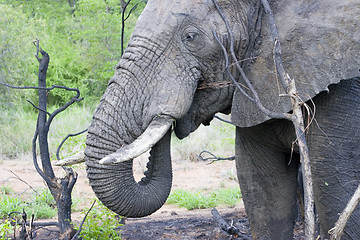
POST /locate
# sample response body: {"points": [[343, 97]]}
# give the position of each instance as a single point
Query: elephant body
{"points": [[267, 165], [173, 74]]}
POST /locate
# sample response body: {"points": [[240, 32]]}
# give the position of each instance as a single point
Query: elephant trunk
{"points": [[114, 184], [116, 187]]}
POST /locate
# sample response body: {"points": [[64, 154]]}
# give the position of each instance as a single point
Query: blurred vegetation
{"points": [[82, 38], [40, 203]]}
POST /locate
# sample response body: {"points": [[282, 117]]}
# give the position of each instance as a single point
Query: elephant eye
{"points": [[193, 39], [190, 36]]}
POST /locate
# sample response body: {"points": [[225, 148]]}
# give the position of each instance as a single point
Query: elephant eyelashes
{"points": [[190, 37]]}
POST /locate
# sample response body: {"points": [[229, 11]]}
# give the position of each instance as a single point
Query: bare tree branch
{"points": [[337, 231], [124, 6], [74, 159], [17, 177], [255, 97], [131, 10], [64, 140], [296, 117], [277, 48], [37, 108], [43, 224], [36, 164], [223, 120]]}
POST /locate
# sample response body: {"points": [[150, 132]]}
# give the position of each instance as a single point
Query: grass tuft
{"points": [[197, 200], [41, 204]]}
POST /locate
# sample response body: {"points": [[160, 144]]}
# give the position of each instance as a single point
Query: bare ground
{"points": [[169, 222]]}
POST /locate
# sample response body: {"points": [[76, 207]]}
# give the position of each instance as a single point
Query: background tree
{"points": [[83, 34], [84, 38]]}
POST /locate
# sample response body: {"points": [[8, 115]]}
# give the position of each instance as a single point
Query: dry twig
{"points": [[213, 158], [21, 180], [296, 117], [338, 230], [230, 229]]}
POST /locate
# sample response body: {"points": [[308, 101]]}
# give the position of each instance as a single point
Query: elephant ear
{"points": [[320, 43]]}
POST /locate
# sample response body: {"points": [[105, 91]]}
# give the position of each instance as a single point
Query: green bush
{"points": [[6, 229], [41, 204], [101, 223], [9, 204], [83, 42], [227, 196], [191, 201], [17, 61], [6, 190]]}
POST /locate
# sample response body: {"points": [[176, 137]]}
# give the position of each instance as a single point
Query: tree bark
{"points": [[60, 188]]}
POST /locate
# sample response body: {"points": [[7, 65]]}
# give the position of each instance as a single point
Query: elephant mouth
{"points": [[189, 123]]}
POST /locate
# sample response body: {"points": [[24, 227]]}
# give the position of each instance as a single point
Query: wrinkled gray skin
{"points": [[172, 55]]}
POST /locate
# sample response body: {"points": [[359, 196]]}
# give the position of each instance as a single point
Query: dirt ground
{"points": [[170, 221]]}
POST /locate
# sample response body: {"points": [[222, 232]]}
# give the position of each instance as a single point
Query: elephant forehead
{"points": [[166, 16]]}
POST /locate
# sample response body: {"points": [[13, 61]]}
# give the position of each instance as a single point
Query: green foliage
{"points": [[43, 197], [83, 42], [9, 204], [6, 229], [189, 200], [227, 196], [101, 223], [197, 200], [17, 62], [228, 131], [40, 203]]}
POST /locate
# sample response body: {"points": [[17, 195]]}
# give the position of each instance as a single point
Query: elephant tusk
{"points": [[154, 132], [75, 159]]}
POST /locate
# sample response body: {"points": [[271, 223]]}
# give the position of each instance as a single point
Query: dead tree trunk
{"points": [[60, 188]]}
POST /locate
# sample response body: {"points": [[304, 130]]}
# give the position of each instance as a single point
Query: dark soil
{"points": [[193, 225], [196, 224]]}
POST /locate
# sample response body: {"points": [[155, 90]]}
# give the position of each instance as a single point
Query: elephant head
{"points": [[172, 73], [166, 75]]}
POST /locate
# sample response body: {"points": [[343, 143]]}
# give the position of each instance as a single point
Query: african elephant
{"points": [[172, 77]]}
